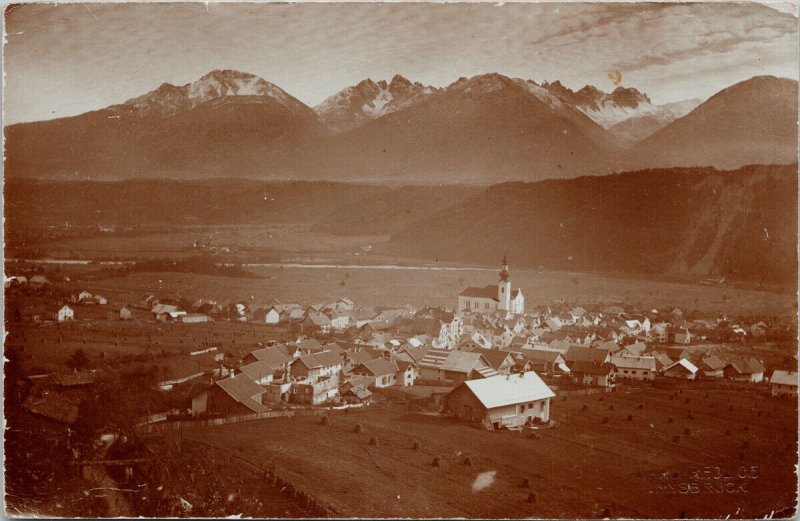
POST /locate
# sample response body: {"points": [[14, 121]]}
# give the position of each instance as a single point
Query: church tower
{"points": [[504, 288]]}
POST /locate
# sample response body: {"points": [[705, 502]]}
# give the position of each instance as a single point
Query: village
{"points": [[491, 361]]}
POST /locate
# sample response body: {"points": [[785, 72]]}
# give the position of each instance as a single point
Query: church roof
{"points": [[489, 292]]}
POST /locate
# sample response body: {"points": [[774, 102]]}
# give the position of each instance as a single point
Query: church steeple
{"points": [[504, 271], [504, 287]]}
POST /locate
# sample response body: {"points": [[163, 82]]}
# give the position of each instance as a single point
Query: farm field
{"points": [[420, 287], [47, 347], [680, 445], [176, 241]]}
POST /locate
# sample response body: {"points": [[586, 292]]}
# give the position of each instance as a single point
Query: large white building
{"points": [[489, 299]]}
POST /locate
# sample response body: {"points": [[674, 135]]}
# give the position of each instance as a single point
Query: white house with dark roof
{"points": [[493, 298], [783, 383]]}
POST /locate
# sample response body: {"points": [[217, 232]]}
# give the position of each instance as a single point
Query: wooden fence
{"points": [[148, 428]]}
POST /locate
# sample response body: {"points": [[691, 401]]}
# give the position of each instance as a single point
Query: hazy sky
{"points": [[66, 59]]}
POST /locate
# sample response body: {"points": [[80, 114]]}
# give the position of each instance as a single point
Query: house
{"points": [[382, 371], [446, 366], [408, 372], [682, 369], [273, 356], [744, 370], [316, 393], [312, 367], [662, 360], [682, 336], [357, 394], [272, 316], [100, 300], [65, 313], [659, 332], [192, 318], [125, 313], [315, 321], [489, 299], [545, 361], [500, 361], [237, 394], [635, 349], [641, 368], [783, 383], [84, 295], [262, 372], [501, 401], [712, 366], [586, 354], [593, 373], [339, 321]]}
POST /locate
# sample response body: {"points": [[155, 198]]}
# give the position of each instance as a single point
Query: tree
{"points": [[78, 360]]}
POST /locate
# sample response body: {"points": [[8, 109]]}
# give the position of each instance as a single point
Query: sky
{"points": [[66, 59]]}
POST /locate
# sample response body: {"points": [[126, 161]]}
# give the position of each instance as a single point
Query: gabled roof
{"points": [[379, 367], [243, 389], [685, 364], [636, 349], [258, 369], [309, 344], [745, 365], [456, 361], [549, 356], [359, 391], [53, 406], [273, 356], [499, 391], [714, 362], [585, 354], [662, 359], [321, 359], [487, 292], [634, 362], [496, 357], [782, 377]]}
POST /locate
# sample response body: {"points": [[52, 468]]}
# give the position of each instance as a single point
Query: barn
{"points": [[501, 401]]}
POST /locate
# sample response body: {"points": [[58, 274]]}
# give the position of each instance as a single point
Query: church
{"points": [[490, 299]]}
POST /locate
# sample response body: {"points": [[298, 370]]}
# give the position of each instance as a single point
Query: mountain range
{"points": [[484, 129]]}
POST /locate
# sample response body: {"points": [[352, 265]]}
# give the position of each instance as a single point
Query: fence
{"points": [[210, 422]]}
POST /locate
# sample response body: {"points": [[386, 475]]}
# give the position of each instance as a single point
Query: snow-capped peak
{"points": [[369, 100], [169, 99]]}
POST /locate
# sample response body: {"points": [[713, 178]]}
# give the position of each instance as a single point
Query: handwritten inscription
{"points": [[703, 480]]}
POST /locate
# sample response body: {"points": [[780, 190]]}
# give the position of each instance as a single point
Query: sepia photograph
{"points": [[404, 260]]}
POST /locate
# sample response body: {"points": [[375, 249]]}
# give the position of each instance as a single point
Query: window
{"points": [[625, 371], [530, 405], [633, 372]]}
